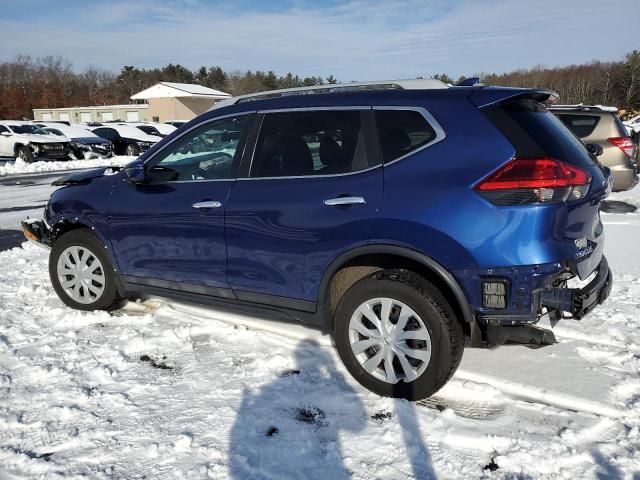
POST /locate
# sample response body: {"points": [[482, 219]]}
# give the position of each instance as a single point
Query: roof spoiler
{"points": [[494, 95]]}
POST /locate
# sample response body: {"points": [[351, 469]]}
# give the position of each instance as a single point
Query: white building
{"points": [[164, 101]]}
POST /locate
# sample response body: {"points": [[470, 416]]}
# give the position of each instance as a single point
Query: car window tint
{"points": [[402, 132], [109, 133], [581, 125], [535, 132], [209, 152], [4, 129], [322, 142]]}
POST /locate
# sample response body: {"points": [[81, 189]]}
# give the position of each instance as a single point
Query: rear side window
{"points": [[581, 125], [322, 142], [402, 132], [535, 132]]}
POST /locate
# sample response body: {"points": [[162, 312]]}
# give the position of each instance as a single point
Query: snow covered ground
{"points": [[167, 391], [18, 166]]}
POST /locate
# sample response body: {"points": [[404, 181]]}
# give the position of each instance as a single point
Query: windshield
{"points": [[29, 129]]}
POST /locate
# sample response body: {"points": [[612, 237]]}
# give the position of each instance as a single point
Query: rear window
{"points": [[535, 132], [581, 125]]}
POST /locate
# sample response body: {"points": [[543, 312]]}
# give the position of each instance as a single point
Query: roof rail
{"points": [[418, 84]]}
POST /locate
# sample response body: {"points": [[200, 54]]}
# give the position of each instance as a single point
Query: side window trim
{"points": [[150, 163], [433, 123], [366, 116]]}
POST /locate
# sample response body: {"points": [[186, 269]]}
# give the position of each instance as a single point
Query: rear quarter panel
{"points": [[429, 202]]}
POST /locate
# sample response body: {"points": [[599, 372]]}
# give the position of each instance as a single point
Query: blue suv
{"points": [[408, 219]]}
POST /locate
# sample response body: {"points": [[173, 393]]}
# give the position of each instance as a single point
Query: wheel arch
{"points": [[357, 263], [17, 146], [66, 225]]}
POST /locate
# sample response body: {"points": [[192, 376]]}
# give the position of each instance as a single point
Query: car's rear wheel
{"points": [[133, 150], [397, 335], [24, 154], [81, 273]]}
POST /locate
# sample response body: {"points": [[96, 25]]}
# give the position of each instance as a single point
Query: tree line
{"points": [[596, 83], [51, 82]]}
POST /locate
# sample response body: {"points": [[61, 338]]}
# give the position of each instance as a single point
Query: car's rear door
{"points": [[313, 191], [169, 231]]}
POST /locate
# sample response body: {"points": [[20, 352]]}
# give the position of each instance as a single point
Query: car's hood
{"points": [[40, 138], [81, 178], [142, 137]]}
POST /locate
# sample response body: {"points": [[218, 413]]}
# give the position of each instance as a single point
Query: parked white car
{"points": [[29, 142], [84, 143]]}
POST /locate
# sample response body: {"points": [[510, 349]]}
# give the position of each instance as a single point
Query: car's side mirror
{"points": [[594, 149], [5, 134], [135, 172]]}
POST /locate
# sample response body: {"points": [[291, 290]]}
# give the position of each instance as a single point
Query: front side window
{"points": [[402, 132], [4, 129], [322, 142], [209, 152], [108, 133]]}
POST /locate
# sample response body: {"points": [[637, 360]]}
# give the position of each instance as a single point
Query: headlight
{"points": [[35, 147], [144, 144], [79, 145]]}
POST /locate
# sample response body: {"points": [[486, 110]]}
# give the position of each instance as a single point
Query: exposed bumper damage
{"points": [[560, 302], [37, 231]]}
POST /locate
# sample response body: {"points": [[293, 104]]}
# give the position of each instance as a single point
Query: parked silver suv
{"points": [[601, 126]]}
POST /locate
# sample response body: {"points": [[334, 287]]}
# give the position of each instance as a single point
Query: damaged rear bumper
{"points": [[580, 301], [559, 302], [37, 231]]}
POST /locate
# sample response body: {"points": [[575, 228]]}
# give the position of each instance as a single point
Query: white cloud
{"points": [[355, 40]]}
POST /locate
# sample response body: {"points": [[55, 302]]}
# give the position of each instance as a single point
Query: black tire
{"points": [[25, 154], [445, 331], [132, 150], [109, 299]]}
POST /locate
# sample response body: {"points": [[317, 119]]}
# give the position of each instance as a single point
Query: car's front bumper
{"points": [[37, 231]]}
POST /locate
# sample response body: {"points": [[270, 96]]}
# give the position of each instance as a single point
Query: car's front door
{"points": [[313, 191], [119, 146], [6, 142], [169, 231]]}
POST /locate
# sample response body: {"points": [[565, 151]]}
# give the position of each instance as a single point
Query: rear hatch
{"points": [[539, 136]]}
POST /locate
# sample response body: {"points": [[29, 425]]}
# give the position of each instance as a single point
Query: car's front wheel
{"points": [[133, 150], [397, 335], [81, 273], [24, 154]]}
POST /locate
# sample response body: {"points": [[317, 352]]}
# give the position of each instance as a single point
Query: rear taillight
{"points": [[623, 143], [525, 181]]}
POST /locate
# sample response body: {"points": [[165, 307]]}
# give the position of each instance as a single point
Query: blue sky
{"points": [[353, 40]]}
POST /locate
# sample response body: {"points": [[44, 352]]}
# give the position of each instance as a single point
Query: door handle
{"points": [[344, 201], [207, 204]]}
